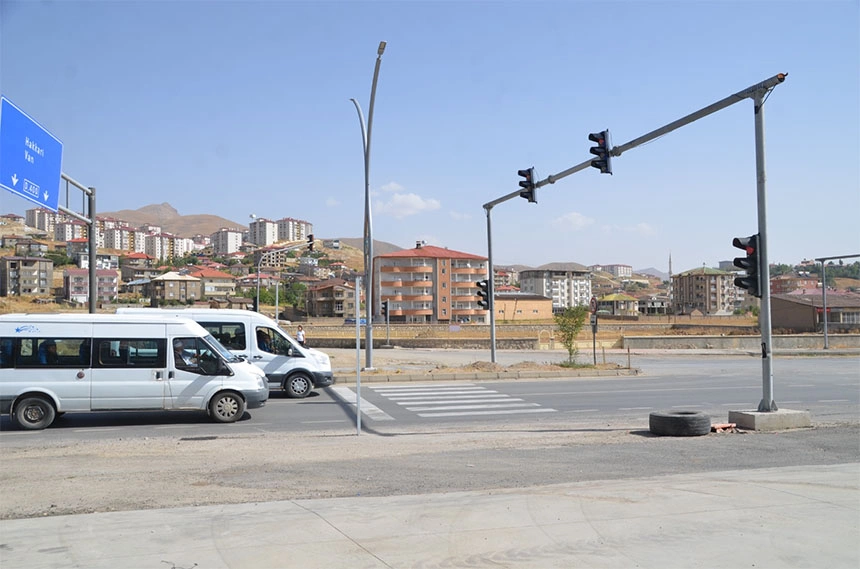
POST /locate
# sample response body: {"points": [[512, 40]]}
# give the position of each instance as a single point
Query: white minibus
{"points": [[51, 364], [259, 339]]}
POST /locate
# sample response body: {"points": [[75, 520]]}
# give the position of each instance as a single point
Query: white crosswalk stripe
{"points": [[456, 400]]}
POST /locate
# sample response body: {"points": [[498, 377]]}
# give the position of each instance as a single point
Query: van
{"points": [[51, 364], [287, 364]]}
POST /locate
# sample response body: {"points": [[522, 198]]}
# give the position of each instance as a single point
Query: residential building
{"points": [[164, 246], [76, 285], [125, 238], [520, 307], [289, 229], [263, 232], [567, 284], [25, 247], [429, 284], [706, 290], [785, 284], [654, 305], [68, 230], [226, 241], [25, 276], [503, 277], [43, 218], [333, 298], [214, 283], [173, 287], [619, 271], [618, 304]]}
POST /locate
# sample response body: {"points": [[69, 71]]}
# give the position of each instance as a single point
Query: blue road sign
{"points": [[31, 158]]}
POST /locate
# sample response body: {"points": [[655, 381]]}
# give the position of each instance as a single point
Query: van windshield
{"points": [[218, 347]]}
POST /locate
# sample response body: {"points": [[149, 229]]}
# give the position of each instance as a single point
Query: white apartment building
{"points": [[125, 239], [567, 284], [43, 219], [164, 246], [226, 241], [620, 271], [263, 232], [709, 291], [290, 229], [68, 230]]}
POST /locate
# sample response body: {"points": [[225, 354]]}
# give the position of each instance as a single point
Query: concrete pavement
{"points": [[803, 516]]}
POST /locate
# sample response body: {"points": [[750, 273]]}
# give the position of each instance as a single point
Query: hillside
{"points": [[165, 216]]}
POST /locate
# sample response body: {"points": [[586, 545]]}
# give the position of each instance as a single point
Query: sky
{"points": [[240, 108]]}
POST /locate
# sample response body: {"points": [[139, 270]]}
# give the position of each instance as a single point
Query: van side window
{"points": [[195, 356], [130, 352], [45, 352], [230, 334]]}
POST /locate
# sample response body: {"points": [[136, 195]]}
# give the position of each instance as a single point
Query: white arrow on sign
{"points": [[14, 180]]}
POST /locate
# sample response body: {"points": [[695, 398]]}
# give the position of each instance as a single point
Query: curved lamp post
{"points": [[368, 222]]}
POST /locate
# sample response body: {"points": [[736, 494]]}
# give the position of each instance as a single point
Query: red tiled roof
{"points": [[207, 273], [431, 252]]}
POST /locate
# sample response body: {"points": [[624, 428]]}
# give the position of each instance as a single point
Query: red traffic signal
{"points": [[603, 162], [750, 264]]}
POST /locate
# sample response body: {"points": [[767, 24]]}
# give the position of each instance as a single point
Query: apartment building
{"points": [[263, 232], [125, 238], [226, 241], [709, 291], [173, 287], [25, 276], [214, 283], [76, 285], [429, 284], [334, 298], [618, 271], [567, 284], [290, 229]]}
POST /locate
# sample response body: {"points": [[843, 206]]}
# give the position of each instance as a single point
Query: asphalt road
{"points": [[829, 388]]}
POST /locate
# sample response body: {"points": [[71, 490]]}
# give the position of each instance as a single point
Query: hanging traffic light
{"points": [[528, 184], [603, 162], [385, 309], [752, 280], [484, 294], [311, 243]]}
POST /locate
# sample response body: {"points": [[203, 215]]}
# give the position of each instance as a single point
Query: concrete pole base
{"points": [[770, 420]]}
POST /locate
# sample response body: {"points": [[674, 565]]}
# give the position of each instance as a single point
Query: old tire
{"points": [[227, 407], [679, 423], [34, 413], [298, 385]]}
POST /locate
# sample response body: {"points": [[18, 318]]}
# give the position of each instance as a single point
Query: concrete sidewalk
{"points": [[806, 516]]}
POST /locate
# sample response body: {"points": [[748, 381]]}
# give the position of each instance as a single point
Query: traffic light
{"points": [[385, 308], [311, 243], [528, 184], [484, 294], [604, 160], [752, 280]]}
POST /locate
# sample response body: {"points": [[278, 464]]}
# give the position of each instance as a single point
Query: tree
{"points": [[570, 323]]}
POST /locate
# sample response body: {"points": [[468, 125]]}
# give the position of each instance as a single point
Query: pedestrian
{"points": [[300, 336]]}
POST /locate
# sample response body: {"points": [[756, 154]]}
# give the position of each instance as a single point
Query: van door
{"points": [[273, 353], [193, 367], [128, 373]]}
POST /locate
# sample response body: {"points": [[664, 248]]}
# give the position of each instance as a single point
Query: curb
{"points": [[484, 376]]}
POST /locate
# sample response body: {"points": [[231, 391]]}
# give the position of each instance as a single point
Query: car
{"points": [[351, 322]]}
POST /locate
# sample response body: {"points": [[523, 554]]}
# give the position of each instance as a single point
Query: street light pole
{"points": [[368, 221]]}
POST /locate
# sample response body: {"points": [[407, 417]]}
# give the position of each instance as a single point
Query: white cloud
{"points": [[404, 205], [572, 221], [392, 187], [331, 202], [458, 216]]}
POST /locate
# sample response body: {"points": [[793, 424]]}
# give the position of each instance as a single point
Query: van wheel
{"points": [[34, 413], [227, 407], [298, 385]]}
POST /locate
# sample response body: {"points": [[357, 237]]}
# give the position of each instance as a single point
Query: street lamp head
{"points": [[381, 48]]}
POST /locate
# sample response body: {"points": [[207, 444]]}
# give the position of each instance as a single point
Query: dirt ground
{"points": [[115, 474]]}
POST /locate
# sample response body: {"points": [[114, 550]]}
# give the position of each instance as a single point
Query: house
{"points": [[76, 285], [805, 312], [334, 298], [618, 305], [173, 287], [214, 283], [25, 276]]}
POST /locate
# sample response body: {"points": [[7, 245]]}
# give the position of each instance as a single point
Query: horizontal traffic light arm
{"points": [[744, 94]]}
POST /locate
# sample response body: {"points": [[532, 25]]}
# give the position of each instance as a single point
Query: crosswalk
{"points": [[458, 400]]}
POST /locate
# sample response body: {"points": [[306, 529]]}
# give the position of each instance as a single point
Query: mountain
{"points": [[165, 216], [653, 272], [379, 247]]}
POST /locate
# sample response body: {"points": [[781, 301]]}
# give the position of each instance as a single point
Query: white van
{"points": [[259, 339], [51, 364]]}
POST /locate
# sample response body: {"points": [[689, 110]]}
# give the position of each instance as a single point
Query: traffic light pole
{"points": [[491, 285]]}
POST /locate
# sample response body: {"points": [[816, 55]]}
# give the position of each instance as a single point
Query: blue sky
{"points": [[234, 108]]}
